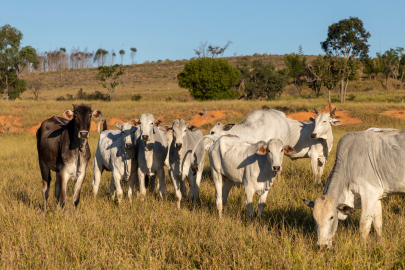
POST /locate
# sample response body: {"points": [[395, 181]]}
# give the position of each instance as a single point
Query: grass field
{"points": [[156, 235]]}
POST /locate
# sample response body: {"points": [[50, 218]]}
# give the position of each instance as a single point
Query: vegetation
{"points": [[13, 60], [208, 78], [296, 69], [110, 78], [261, 81]]}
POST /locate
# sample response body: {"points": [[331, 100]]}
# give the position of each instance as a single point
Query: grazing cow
{"points": [[151, 145], [253, 165], [185, 138], [259, 125], [116, 153], [313, 140], [369, 166], [63, 148]]}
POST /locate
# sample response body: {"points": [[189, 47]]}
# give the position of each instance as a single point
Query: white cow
{"points": [[254, 166], [116, 153], [313, 140], [369, 166], [184, 139], [151, 145]]}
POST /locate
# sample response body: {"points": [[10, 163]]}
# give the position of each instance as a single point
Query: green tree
{"points": [[261, 81], [370, 67], [99, 55], [13, 60], [208, 78], [386, 63], [296, 69], [122, 53], [346, 39], [110, 77], [133, 53], [315, 73]]}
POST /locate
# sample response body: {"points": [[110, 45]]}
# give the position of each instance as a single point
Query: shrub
{"points": [[208, 78], [168, 99], [351, 97], [136, 97]]}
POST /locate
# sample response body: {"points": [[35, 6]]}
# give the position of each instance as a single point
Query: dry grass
{"points": [[155, 235]]}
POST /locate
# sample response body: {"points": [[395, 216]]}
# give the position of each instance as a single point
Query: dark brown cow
{"points": [[63, 148]]}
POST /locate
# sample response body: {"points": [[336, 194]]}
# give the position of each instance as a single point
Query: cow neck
{"points": [[149, 147], [329, 140], [75, 142], [335, 186]]}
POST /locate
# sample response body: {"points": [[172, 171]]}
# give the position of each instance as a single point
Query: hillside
{"points": [[154, 81]]}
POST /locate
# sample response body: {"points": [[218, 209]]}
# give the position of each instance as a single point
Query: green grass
{"points": [[156, 235]]}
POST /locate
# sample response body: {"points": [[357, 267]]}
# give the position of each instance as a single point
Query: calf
{"points": [[63, 148], [253, 165], [185, 137], [152, 151], [116, 153], [313, 140]]}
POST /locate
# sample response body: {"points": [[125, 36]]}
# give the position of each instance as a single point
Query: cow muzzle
{"points": [[313, 135], [179, 145], [145, 138], [83, 134], [276, 168], [128, 145]]}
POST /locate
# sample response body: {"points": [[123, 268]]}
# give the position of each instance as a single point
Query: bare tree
{"points": [[133, 53], [122, 53], [212, 51], [113, 55], [35, 87]]}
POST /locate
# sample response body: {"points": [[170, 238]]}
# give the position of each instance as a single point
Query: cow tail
{"points": [[193, 167], [104, 126]]}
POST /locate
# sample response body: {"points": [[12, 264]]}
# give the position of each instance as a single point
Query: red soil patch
{"points": [[10, 124], [395, 113], [340, 115]]}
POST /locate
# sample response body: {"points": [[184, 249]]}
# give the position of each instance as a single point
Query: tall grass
{"points": [[155, 235]]}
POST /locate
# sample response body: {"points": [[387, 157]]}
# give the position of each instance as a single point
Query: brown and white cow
{"points": [[63, 148]]}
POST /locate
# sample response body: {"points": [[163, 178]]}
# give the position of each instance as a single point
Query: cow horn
{"points": [[332, 113], [315, 111]]}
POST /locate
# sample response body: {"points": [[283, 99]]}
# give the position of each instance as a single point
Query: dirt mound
{"points": [[211, 118], [340, 115], [9, 124], [395, 113]]}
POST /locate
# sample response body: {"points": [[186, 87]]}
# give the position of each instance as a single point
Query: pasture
{"points": [[156, 235]]}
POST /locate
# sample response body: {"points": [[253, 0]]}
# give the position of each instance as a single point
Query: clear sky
{"points": [[173, 29]]}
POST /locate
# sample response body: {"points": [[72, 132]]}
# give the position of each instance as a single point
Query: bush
{"points": [[208, 78], [136, 97], [351, 97]]}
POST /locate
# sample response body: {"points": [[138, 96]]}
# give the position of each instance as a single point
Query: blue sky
{"points": [[173, 29]]}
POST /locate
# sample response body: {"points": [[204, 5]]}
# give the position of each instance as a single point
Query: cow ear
{"points": [[166, 127], [68, 114], [335, 122], [218, 123], [312, 119], [133, 122], [96, 114], [158, 123], [228, 127], [309, 203], [261, 148], [192, 128], [118, 125], [345, 209], [288, 150]]}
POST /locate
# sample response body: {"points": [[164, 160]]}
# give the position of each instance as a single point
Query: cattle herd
{"points": [[249, 153]]}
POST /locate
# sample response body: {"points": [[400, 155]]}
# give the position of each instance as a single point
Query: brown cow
{"points": [[63, 148]]}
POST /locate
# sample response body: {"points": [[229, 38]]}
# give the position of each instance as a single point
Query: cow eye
{"points": [[331, 218], [212, 132]]}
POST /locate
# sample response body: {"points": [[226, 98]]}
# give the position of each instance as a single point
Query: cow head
{"points": [[180, 129], [127, 129], [323, 122], [218, 130], [275, 150], [82, 115], [147, 123], [326, 215]]}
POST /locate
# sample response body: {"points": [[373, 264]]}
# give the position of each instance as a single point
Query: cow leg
{"points": [[131, 184], [262, 202], [183, 185], [112, 188], [225, 191], [195, 181], [98, 170], [314, 166], [78, 185], [46, 181], [63, 179], [249, 201], [368, 207], [142, 189], [57, 187], [161, 178], [378, 220], [176, 186], [217, 178], [117, 182]]}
